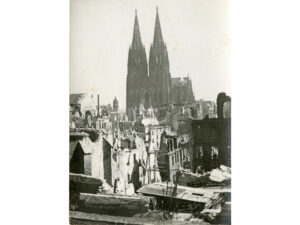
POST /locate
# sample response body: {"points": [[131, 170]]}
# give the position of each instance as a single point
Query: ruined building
{"points": [[83, 104], [153, 87], [211, 138]]}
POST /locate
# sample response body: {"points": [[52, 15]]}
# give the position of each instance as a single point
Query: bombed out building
{"points": [[197, 143], [211, 138]]}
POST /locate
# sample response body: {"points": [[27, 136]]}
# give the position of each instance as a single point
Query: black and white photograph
{"points": [[150, 112], [121, 112]]}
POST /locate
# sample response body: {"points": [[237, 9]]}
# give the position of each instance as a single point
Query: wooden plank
{"points": [[201, 195], [85, 179], [111, 199], [113, 205]]}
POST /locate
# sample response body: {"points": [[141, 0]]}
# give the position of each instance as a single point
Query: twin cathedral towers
{"points": [[157, 88]]}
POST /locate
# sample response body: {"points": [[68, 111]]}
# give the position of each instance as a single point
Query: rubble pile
{"points": [[105, 188], [218, 209], [222, 174], [217, 177], [209, 198]]}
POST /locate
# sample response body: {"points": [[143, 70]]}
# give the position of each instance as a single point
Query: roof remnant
{"points": [[87, 145], [202, 195]]}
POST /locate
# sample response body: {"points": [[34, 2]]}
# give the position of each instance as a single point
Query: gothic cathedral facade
{"points": [[153, 89]]}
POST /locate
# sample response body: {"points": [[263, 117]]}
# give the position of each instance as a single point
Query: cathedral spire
{"points": [[158, 38], [137, 71], [136, 40]]}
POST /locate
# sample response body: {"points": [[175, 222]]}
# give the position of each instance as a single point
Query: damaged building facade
{"points": [[119, 163], [194, 143], [211, 139]]}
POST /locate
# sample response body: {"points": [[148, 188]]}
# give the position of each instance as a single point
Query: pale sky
{"points": [[196, 33]]}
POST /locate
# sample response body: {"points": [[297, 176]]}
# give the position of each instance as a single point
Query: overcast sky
{"points": [[196, 33]]}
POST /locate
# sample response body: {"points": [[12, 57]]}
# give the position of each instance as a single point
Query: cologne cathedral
{"points": [[150, 84]]}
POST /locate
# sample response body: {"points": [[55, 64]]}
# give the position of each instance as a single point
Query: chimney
{"points": [[98, 105], [221, 99]]}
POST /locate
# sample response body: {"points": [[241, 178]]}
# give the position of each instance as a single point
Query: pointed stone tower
{"points": [[115, 105], [159, 72], [137, 71]]}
